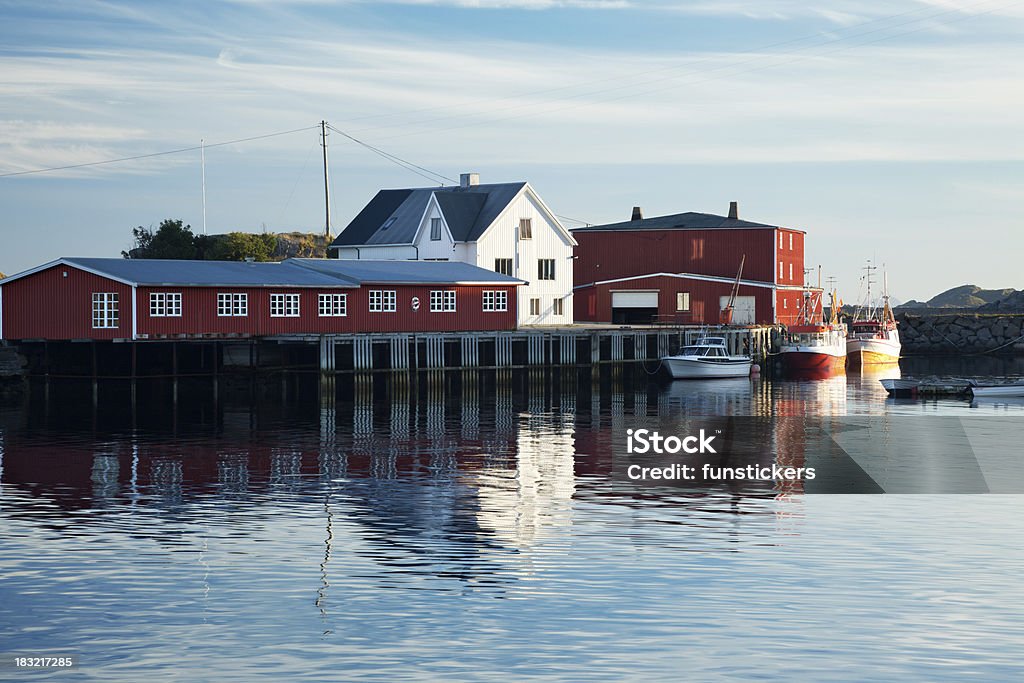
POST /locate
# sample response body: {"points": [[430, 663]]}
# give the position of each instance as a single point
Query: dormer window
{"points": [[389, 222]]}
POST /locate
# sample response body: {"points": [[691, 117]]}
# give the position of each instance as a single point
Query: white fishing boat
{"points": [[1006, 390], [873, 336], [814, 348], [708, 358]]}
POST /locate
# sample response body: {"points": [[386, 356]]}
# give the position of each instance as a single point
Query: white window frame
{"points": [[526, 228], [534, 306], [557, 307], [682, 302], [435, 229], [442, 301], [781, 270], [500, 262], [791, 241], [232, 304], [495, 301], [790, 271], [165, 304], [383, 301], [284, 305], [106, 312], [780, 239], [545, 269], [332, 305]]}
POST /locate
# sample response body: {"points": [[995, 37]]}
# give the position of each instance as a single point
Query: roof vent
{"points": [[469, 179], [638, 214], [734, 210]]}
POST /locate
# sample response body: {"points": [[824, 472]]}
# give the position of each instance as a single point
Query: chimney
{"points": [[469, 179], [638, 214], [734, 210]]}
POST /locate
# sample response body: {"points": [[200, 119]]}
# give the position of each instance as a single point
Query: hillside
{"points": [[964, 296], [1014, 303]]}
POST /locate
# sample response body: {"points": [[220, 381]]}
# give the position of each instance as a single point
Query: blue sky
{"points": [[885, 129]]}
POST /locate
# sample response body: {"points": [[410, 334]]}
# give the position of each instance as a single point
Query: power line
{"points": [[408, 165], [155, 154]]}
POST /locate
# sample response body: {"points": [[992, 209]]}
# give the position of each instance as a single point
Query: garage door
{"points": [[744, 311], [635, 299]]}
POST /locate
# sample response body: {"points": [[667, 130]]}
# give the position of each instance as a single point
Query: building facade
{"points": [[119, 299], [682, 268], [503, 227]]}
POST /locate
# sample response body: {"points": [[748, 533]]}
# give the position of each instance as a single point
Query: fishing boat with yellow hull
{"points": [[873, 335]]}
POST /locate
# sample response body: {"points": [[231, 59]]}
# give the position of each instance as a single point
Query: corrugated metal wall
{"points": [[704, 299], [609, 255], [48, 305]]}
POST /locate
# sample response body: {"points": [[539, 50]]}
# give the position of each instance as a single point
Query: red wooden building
{"points": [[681, 268], [126, 299]]}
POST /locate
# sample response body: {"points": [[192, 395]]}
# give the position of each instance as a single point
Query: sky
{"points": [[887, 130]]}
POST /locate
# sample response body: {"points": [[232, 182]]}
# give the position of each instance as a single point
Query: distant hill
{"points": [[1014, 303], [964, 296]]}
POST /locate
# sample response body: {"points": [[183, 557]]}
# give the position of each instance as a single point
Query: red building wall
{"points": [[615, 254], [48, 305], [594, 303], [790, 253]]}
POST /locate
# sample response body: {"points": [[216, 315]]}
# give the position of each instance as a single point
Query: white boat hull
{"points": [[999, 391], [682, 367], [874, 350]]}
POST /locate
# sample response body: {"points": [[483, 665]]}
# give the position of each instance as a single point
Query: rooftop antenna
{"points": [[202, 153], [327, 184]]}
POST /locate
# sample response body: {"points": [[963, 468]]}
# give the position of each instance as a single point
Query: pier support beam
{"points": [[536, 349], [399, 348], [567, 349], [470, 352], [503, 351], [362, 353]]}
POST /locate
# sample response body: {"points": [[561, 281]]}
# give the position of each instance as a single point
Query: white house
{"points": [[505, 227]]}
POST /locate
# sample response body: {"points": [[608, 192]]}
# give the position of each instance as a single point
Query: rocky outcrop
{"points": [[961, 333]]}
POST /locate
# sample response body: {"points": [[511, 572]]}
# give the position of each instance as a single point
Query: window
{"points": [[557, 307], [780, 239], [435, 229], [534, 306], [682, 301], [104, 310], [442, 301], [790, 271], [232, 304], [165, 304], [545, 269], [790, 240], [780, 270], [382, 301], [284, 305], [332, 305], [495, 300], [503, 266], [785, 303], [525, 228]]}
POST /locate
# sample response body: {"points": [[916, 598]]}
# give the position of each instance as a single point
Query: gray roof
{"points": [[364, 271], [159, 272], [293, 272], [690, 220], [468, 211]]}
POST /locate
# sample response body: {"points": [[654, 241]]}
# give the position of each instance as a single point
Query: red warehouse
{"points": [[681, 268], [128, 299]]}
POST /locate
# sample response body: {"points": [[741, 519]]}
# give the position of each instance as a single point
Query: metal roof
{"points": [[690, 220], [364, 271], [468, 211], [160, 272]]}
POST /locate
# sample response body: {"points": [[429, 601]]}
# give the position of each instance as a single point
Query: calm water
{"points": [[469, 528]]}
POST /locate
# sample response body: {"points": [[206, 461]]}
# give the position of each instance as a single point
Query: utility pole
{"points": [[327, 184], [202, 152]]}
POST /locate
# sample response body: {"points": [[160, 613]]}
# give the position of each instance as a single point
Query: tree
{"points": [[171, 240], [238, 246]]}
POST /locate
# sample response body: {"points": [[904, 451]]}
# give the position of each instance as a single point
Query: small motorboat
{"points": [[708, 358], [1005, 390]]}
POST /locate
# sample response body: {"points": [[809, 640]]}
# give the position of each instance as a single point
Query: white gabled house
{"points": [[505, 227]]}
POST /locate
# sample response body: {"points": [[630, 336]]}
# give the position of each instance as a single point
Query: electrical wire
{"points": [[156, 154], [408, 165]]}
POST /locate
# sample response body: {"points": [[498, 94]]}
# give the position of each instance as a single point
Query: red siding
{"points": [[792, 259], [615, 254], [47, 305], [594, 304], [789, 303]]}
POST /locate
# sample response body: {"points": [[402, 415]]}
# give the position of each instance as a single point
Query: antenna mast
{"points": [[327, 184], [202, 153]]}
